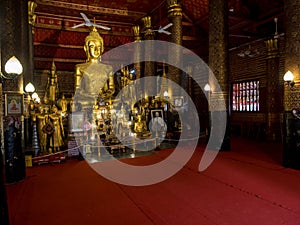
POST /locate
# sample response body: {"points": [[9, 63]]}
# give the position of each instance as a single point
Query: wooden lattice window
{"points": [[245, 96]]}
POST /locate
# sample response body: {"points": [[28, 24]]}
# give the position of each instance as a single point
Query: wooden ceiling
{"points": [[55, 39]]}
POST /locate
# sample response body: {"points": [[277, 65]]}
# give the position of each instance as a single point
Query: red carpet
{"points": [[244, 186]]}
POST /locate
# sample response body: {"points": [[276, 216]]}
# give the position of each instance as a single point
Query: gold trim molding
{"points": [[96, 9], [31, 15], [136, 33]]}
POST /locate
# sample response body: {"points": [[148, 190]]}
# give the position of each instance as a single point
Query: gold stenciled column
{"points": [[13, 28], [31, 21], [175, 56], [137, 54], [291, 100], [273, 108], [149, 69], [137, 51], [13, 43], [28, 77], [218, 62]]}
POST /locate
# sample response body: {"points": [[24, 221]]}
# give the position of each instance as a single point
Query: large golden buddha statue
{"points": [[93, 78]]}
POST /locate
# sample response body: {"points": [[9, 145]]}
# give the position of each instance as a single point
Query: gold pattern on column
{"points": [[292, 50], [216, 100], [175, 56], [175, 15], [273, 109], [149, 66], [218, 63], [136, 33], [137, 51], [31, 15], [1, 121], [218, 45], [291, 100], [218, 48], [272, 47], [147, 28], [174, 8]]}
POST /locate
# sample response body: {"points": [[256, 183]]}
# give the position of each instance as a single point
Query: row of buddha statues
{"points": [[52, 115]]}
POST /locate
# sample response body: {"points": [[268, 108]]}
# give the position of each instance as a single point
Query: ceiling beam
{"points": [[190, 38], [44, 59], [188, 18], [187, 24], [201, 19], [49, 21], [78, 19], [57, 45], [88, 8], [254, 25]]}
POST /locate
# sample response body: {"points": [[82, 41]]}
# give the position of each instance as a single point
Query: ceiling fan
{"points": [[240, 36], [88, 23], [249, 52], [163, 29], [276, 34]]}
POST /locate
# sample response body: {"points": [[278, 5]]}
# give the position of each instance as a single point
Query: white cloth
{"points": [[158, 125]]}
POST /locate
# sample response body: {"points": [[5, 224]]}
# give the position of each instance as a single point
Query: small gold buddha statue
{"points": [[52, 86], [140, 127], [42, 119], [57, 137], [63, 103]]}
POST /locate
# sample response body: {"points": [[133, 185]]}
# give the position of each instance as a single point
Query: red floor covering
{"points": [[246, 185]]}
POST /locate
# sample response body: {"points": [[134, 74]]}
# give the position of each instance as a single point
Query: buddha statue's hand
{"points": [[110, 92]]}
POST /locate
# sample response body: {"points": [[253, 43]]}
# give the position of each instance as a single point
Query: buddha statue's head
{"points": [[45, 99], [93, 46], [54, 109], [53, 70], [139, 118], [41, 109]]}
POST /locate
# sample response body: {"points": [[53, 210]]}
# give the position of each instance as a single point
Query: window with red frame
{"points": [[245, 96]]}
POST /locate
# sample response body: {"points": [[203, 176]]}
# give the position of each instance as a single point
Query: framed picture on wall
{"points": [[157, 113], [178, 101], [13, 104], [76, 122]]}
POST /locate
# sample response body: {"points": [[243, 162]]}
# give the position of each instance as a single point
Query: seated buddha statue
{"points": [[140, 127], [93, 79]]}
